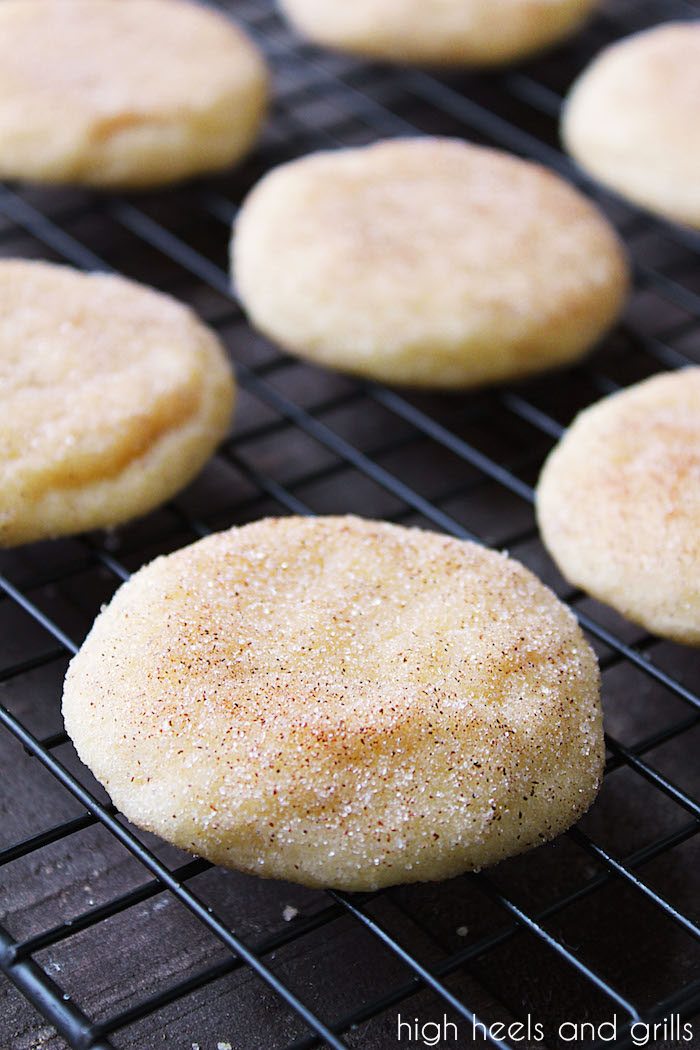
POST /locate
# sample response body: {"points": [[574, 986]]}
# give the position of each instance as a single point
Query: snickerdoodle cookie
{"points": [[438, 32], [633, 119], [126, 93], [428, 262], [112, 397], [340, 702], [619, 503]]}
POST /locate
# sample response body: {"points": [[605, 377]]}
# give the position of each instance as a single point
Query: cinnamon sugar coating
{"points": [[618, 503], [631, 119], [340, 702], [428, 262], [112, 397], [124, 93]]}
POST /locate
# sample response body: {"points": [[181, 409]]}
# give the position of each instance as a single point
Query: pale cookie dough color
{"points": [[633, 120], [438, 32], [112, 397], [124, 93], [428, 262], [340, 702], [618, 503]]}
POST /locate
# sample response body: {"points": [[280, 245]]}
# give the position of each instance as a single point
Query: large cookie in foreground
{"points": [[340, 702]]}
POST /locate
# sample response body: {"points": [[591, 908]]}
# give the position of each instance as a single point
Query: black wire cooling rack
{"points": [[121, 941]]}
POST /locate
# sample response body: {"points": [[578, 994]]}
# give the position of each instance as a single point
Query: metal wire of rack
{"points": [[120, 941]]}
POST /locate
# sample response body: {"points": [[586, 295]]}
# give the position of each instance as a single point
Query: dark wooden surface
{"points": [[338, 967]]}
